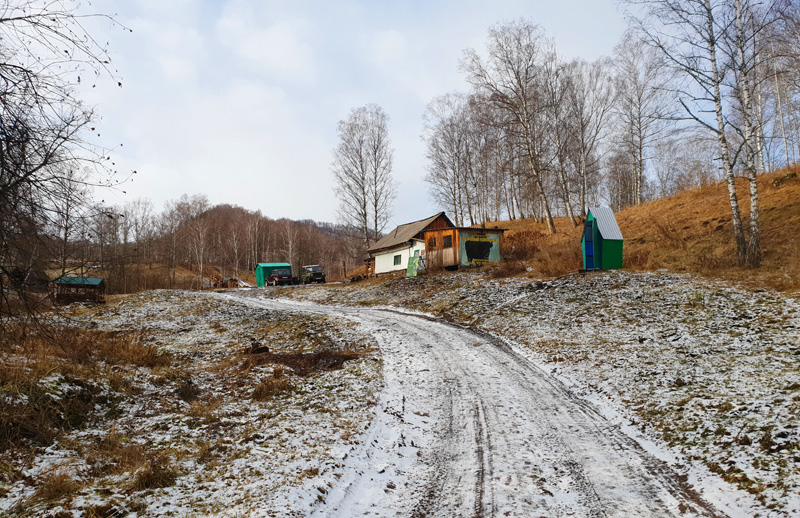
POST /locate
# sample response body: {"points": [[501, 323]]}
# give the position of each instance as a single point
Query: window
{"points": [[397, 259], [432, 243], [447, 242]]}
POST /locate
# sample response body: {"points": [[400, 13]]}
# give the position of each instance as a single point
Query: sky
{"points": [[240, 99]]}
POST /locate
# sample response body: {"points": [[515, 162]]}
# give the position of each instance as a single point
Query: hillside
{"points": [[688, 232]]}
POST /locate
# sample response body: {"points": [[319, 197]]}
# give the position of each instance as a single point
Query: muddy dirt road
{"points": [[466, 427]]}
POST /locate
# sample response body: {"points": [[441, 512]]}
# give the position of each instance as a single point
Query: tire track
{"points": [[500, 437]]}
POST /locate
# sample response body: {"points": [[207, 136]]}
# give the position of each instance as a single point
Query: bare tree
{"points": [[362, 167], [712, 44], [643, 105], [69, 208], [445, 137], [44, 51], [591, 99], [511, 79]]}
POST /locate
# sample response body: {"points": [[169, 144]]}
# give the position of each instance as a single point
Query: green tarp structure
{"points": [[601, 241], [263, 270]]}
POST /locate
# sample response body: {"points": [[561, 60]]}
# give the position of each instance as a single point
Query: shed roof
{"points": [[606, 223], [404, 233], [79, 281]]}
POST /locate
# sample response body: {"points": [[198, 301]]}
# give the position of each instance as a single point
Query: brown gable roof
{"points": [[405, 233]]}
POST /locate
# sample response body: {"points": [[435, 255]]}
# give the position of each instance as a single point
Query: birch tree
{"points": [[591, 96], [643, 104], [511, 80], [362, 169], [711, 43]]}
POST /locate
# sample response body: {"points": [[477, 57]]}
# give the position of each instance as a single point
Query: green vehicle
{"points": [[312, 273]]}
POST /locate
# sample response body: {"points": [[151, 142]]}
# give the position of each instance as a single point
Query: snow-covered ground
{"points": [[229, 454], [708, 371], [611, 394]]}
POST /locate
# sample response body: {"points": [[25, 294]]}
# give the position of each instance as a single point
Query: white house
{"points": [[392, 251]]}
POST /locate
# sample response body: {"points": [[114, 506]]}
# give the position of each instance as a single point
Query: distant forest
{"points": [[216, 242]]}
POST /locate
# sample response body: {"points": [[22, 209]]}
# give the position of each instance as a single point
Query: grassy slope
{"points": [[688, 232]]}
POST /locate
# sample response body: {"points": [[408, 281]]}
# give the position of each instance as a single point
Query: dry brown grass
{"points": [[55, 486], [273, 386], [157, 472], [689, 232], [303, 364], [35, 412], [114, 454]]}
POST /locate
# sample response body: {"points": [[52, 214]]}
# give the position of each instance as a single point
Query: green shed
{"points": [[263, 270], [602, 240]]}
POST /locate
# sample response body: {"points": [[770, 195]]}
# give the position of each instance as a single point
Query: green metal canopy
{"points": [[263, 270], [79, 281]]}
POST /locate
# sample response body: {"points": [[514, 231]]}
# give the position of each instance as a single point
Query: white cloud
{"points": [[282, 49]]}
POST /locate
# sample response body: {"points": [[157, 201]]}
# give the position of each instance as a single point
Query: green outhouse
{"points": [[602, 240], [263, 270]]}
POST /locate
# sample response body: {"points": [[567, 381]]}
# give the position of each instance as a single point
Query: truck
{"points": [[312, 273]]}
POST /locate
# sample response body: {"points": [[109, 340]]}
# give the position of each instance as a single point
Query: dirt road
{"points": [[466, 427]]}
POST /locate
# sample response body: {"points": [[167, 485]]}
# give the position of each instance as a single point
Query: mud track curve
{"points": [[467, 427]]}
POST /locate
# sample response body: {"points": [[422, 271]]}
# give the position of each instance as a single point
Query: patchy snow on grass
{"points": [[215, 431], [708, 370], [231, 419]]}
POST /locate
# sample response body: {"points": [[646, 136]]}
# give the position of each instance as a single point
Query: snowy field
{"points": [[190, 438], [609, 394]]}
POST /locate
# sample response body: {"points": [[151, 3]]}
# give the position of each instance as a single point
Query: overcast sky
{"points": [[239, 99]]}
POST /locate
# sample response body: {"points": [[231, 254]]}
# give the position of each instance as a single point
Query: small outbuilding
{"points": [[80, 289], [264, 270], [457, 247], [602, 240]]}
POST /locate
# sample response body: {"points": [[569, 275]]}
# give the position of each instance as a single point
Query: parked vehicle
{"points": [[312, 273], [280, 277]]}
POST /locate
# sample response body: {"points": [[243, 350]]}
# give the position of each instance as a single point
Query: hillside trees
{"points": [[528, 139], [192, 244], [642, 108], [362, 169], [510, 80], [591, 99], [714, 46]]}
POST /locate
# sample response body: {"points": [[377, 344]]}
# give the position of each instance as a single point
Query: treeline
{"points": [[137, 248], [540, 136]]}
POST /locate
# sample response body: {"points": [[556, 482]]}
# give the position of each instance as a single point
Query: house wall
{"points": [[384, 261], [437, 256], [470, 247], [612, 254]]}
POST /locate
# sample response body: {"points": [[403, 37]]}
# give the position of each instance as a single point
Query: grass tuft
{"points": [[273, 386], [155, 474]]}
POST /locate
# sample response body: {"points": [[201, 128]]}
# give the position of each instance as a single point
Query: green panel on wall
{"points": [[478, 248], [612, 254]]}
